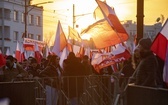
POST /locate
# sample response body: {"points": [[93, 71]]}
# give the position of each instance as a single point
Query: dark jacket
{"points": [[51, 75], [73, 77], [147, 72]]}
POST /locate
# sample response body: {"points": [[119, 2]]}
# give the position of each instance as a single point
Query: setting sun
{"points": [[81, 15]]}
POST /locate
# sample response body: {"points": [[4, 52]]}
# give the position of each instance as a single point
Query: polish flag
{"points": [[82, 51], [37, 54], [160, 48], [18, 52], [70, 45], [8, 52], [22, 54], [60, 40], [108, 30], [2, 60], [102, 60], [48, 52]]}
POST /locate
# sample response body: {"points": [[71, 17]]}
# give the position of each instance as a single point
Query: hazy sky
{"points": [[125, 10]]}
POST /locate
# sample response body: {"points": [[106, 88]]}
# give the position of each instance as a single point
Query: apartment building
{"points": [[13, 25]]}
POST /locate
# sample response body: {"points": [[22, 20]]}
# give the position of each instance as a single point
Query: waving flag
{"points": [[73, 34], [18, 52], [2, 60], [8, 52], [108, 30], [101, 60], [23, 57], [60, 40], [37, 54], [160, 48]]}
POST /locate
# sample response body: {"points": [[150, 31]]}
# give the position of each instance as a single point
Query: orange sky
{"points": [[125, 10]]}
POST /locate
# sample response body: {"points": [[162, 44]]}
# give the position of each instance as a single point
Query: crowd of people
{"points": [[143, 68], [50, 69]]}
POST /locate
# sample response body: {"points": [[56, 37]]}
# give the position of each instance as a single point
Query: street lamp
{"points": [[27, 11]]}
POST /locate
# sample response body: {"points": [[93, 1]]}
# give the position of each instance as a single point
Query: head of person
{"points": [[10, 61], [25, 63], [85, 59], [143, 47], [71, 55], [33, 63], [54, 60]]}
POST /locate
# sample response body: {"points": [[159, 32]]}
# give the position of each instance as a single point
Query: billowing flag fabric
{"points": [[108, 31], [37, 54], [2, 60], [159, 45], [111, 15], [23, 57], [8, 52], [82, 51], [60, 40], [160, 48], [118, 55], [73, 34], [18, 52], [70, 45], [102, 34], [63, 56]]}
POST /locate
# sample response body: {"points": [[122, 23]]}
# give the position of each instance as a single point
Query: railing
{"points": [[85, 90]]}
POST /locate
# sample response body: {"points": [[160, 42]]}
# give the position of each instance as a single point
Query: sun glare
{"points": [[86, 36]]}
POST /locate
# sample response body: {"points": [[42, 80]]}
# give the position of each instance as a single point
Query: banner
{"points": [[29, 44]]}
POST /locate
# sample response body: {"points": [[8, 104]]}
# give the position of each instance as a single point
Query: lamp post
{"points": [[27, 11]]}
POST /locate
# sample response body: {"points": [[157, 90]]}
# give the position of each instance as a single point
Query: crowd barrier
{"points": [[18, 93], [86, 90], [140, 95]]}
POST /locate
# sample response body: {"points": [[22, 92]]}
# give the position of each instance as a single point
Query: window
{"points": [[15, 35], [38, 21], [30, 19], [23, 18], [30, 36], [38, 37], [15, 15]]}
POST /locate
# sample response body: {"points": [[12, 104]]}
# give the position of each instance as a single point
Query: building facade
{"points": [[13, 25]]}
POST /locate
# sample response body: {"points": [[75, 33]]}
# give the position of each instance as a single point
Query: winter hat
{"points": [[145, 43]]}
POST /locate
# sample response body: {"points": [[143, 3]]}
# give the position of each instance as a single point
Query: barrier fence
{"points": [[82, 90], [67, 90]]}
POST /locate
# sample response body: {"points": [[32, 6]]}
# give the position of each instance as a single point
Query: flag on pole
{"points": [[60, 40], [63, 56], [37, 54], [18, 52], [8, 52], [2, 60], [102, 60], [160, 48], [23, 57], [108, 31], [73, 34]]}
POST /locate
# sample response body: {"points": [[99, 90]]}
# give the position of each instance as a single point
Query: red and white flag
{"points": [[48, 52], [108, 31], [37, 54], [101, 60], [2, 60], [18, 52], [8, 52], [160, 48], [60, 40], [23, 57]]}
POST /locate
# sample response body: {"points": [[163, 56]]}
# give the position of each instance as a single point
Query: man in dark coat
{"points": [[147, 72]]}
